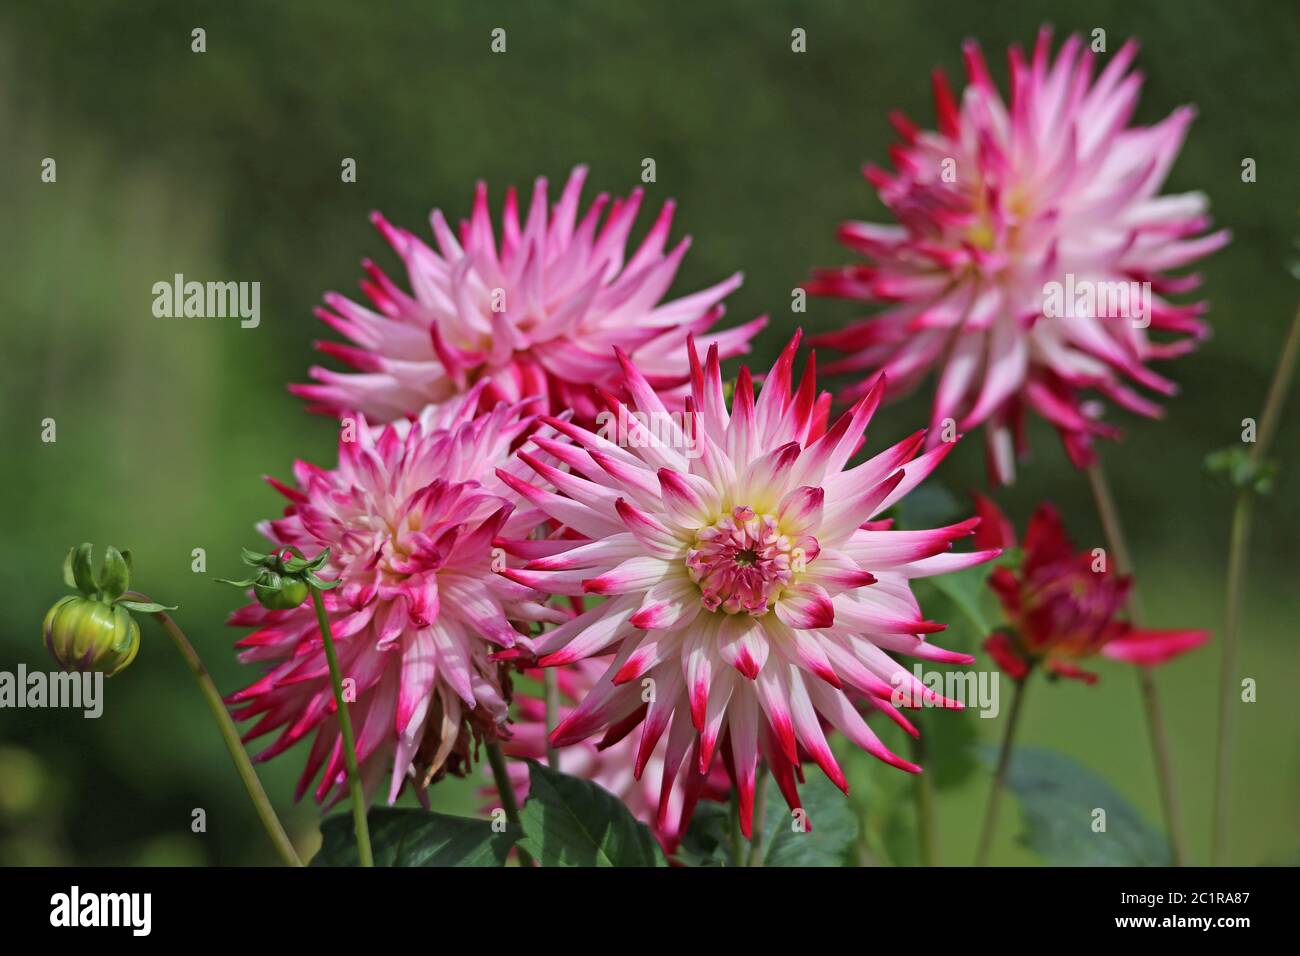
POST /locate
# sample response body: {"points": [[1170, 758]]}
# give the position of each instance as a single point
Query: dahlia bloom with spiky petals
{"points": [[409, 516], [1024, 237], [610, 765], [1064, 606], [536, 312], [748, 582]]}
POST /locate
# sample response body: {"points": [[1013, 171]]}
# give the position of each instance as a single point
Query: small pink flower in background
{"points": [[535, 311], [746, 574], [1023, 237], [610, 764], [409, 516], [1061, 607]]}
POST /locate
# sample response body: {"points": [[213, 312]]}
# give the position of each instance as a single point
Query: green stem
{"points": [[1160, 750], [1000, 773], [759, 823], [923, 797], [552, 690], [359, 824], [506, 790], [229, 735], [1238, 552], [737, 841]]}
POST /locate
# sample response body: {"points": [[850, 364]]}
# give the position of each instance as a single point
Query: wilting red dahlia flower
{"points": [[611, 765], [748, 585], [536, 312], [409, 516], [1064, 606], [1028, 258]]}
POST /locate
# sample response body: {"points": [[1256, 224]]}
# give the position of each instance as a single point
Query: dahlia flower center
{"points": [[742, 562]]}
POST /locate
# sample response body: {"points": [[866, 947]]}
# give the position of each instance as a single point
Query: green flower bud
{"points": [[284, 578], [277, 592], [94, 631], [84, 634]]}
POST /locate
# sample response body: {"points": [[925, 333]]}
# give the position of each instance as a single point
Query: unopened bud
{"points": [[94, 631], [88, 635]]}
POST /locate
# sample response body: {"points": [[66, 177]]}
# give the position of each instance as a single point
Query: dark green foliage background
{"points": [[226, 166]]}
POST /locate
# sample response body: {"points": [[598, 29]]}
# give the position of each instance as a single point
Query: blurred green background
{"points": [[225, 165]]}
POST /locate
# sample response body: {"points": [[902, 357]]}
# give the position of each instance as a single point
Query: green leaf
{"points": [[116, 576], [1234, 467], [69, 578], [401, 836], [966, 589], [320, 584], [254, 559], [146, 607], [821, 836], [573, 822], [929, 506], [83, 573], [708, 841], [1059, 798], [901, 840], [949, 744]]}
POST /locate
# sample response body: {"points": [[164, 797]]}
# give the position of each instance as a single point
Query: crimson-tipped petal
{"points": [[751, 595]]}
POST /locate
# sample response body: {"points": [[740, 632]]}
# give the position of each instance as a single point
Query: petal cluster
{"points": [[751, 591], [536, 311], [409, 515], [1063, 605], [663, 803], [1028, 260]]}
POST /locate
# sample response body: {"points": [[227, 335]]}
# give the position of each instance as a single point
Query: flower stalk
{"points": [[758, 826], [1114, 531], [923, 798], [506, 790], [229, 735], [1238, 550], [551, 689], [359, 823], [990, 825]]}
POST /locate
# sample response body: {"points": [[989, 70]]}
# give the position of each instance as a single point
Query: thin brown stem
{"points": [[552, 692], [229, 735], [923, 797], [759, 825], [359, 825], [1123, 563], [989, 828], [506, 790], [1238, 552]]}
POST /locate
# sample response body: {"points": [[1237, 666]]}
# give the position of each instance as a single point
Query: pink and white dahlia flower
{"points": [[749, 585], [409, 516], [535, 312], [664, 804], [1029, 256]]}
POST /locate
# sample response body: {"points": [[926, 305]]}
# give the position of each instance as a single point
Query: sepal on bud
{"points": [[284, 578]]}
